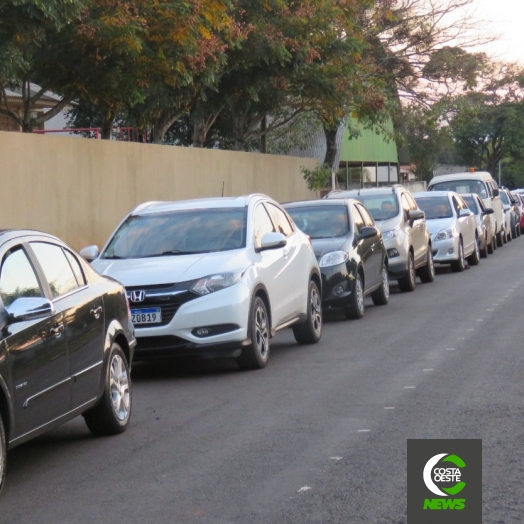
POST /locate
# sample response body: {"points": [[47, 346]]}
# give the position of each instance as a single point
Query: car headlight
{"points": [[216, 282], [388, 235], [333, 259], [444, 234]]}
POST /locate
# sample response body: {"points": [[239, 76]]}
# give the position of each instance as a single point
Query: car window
{"points": [[504, 197], [18, 278], [321, 221], [412, 204], [405, 206], [368, 221], [262, 224], [458, 205], [471, 203], [357, 219], [76, 267], [180, 232], [380, 207], [56, 267], [435, 207], [462, 186], [480, 204], [280, 220]]}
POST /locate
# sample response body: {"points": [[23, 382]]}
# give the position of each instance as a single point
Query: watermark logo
{"points": [[444, 487]]}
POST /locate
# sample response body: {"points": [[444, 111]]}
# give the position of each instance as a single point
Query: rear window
{"points": [[321, 221], [461, 187], [435, 207], [472, 204]]}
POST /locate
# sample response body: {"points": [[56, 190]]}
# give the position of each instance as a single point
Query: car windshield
{"points": [[470, 201], [179, 233], [381, 207], [462, 186], [435, 207], [321, 221]]}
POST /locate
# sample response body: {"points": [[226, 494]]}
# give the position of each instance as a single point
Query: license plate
{"points": [[149, 315]]}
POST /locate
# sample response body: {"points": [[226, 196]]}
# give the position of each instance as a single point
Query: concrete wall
{"points": [[80, 189]]}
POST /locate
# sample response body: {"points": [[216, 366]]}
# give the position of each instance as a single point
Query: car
{"points": [[453, 228], [482, 183], [66, 343], [404, 232], [511, 213], [214, 277], [485, 234], [519, 195], [350, 252]]}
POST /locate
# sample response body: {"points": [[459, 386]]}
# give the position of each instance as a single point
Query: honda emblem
{"points": [[137, 296]]}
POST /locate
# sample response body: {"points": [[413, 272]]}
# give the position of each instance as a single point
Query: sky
{"points": [[506, 19]]}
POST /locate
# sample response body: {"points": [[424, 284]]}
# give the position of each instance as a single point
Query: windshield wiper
{"points": [[113, 257], [174, 252]]}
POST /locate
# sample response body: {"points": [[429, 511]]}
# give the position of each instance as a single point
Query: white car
{"points": [[214, 277], [453, 228]]}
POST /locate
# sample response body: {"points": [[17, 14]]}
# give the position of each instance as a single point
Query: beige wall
{"points": [[80, 189]]}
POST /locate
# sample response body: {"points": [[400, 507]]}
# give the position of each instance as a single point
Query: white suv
{"points": [[214, 277], [404, 231]]}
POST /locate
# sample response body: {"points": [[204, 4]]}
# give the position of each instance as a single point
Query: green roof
{"points": [[369, 147]]}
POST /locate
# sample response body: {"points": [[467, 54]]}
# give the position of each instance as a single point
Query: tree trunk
{"points": [[263, 137], [107, 127], [331, 147]]}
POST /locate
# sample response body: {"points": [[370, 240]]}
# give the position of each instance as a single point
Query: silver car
{"points": [[404, 231], [453, 228], [486, 235]]}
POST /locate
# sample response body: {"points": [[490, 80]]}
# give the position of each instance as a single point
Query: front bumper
{"points": [[445, 251], [398, 252], [338, 283]]}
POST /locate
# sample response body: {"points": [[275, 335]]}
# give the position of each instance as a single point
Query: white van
{"points": [[482, 183]]}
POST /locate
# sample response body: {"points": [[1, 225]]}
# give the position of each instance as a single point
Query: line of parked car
{"points": [[216, 277]]}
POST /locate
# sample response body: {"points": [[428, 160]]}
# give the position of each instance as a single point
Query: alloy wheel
{"points": [[385, 282], [261, 332], [359, 291], [119, 385], [316, 310]]}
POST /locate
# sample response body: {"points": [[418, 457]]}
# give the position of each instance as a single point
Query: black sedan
{"points": [[66, 342], [349, 250]]}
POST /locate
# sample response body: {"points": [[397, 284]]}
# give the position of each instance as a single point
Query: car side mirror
{"points": [[465, 213], [29, 308], [415, 214], [272, 241], [488, 211], [89, 253], [367, 232], [496, 192]]}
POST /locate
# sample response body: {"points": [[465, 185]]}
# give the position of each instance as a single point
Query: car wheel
{"points": [[311, 330], [256, 355], [509, 236], [460, 264], [3, 454], [408, 282], [380, 297], [493, 243], [500, 239], [518, 231], [355, 309], [112, 414], [486, 249], [427, 273], [514, 232], [474, 258]]}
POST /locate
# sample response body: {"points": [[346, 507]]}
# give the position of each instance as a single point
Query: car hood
{"points": [[321, 246], [171, 268], [387, 225], [438, 224]]}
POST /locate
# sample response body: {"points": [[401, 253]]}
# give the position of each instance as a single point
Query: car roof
{"points": [[351, 193], [322, 202], [199, 203], [10, 234], [477, 175], [428, 194]]}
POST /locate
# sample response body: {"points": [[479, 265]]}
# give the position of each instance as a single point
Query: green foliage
{"points": [[316, 178]]}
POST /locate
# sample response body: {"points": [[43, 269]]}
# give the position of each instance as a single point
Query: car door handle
{"points": [[96, 312], [57, 330]]}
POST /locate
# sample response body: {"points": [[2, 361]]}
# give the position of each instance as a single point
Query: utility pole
{"points": [[500, 173]]}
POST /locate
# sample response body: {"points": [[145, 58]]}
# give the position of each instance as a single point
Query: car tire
{"points": [[460, 264], [311, 330], [256, 355], [355, 309], [427, 273], [380, 297], [111, 416], [518, 230], [500, 239], [514, 232], [409, 282], [485, 250], [509, 236], [494, 243], [474, 258], [3, 454]]}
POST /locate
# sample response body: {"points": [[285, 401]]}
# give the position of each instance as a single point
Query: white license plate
{"points": [[148, 315]]}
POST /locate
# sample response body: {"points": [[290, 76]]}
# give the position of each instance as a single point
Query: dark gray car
{"points": [[66, 342]]}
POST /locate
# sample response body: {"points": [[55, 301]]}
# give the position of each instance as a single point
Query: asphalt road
{"points": [[309, 439]]}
